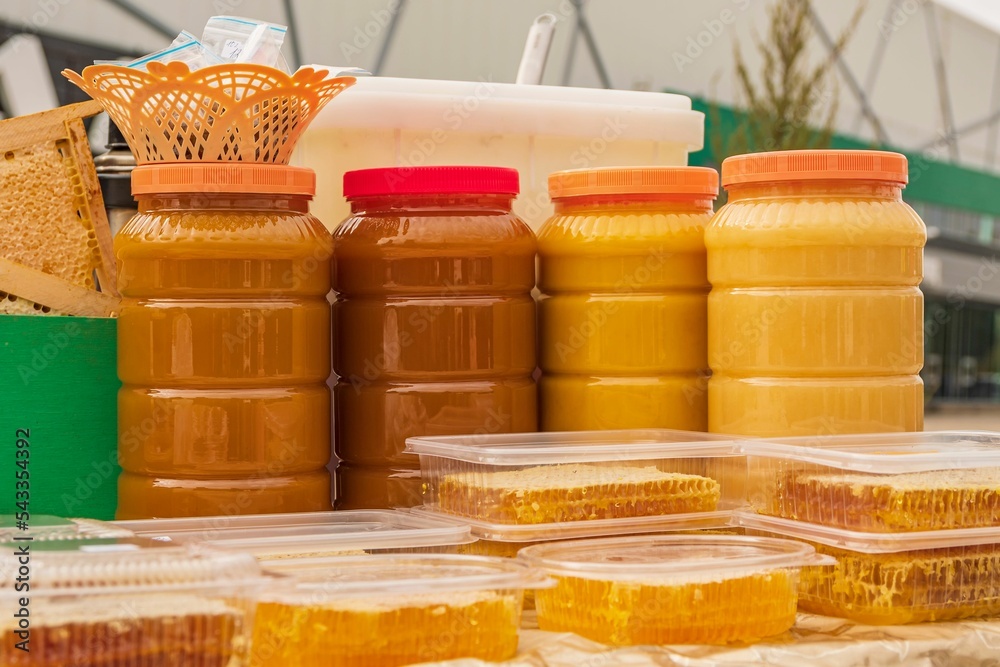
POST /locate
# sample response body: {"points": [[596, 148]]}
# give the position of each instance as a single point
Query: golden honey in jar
{"points": [[815, 319], [223, 343], [622, 317], [435, 323]]}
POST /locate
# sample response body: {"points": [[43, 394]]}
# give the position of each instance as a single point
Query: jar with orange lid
{"points": [[622, 315], [223, 343], [435, 324], [815, 320]]}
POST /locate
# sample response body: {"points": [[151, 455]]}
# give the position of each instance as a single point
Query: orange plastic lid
{"points": [[815, 165], [224, 178], [700, 181]]}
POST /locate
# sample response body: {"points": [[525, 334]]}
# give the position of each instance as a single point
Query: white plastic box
{"points": [[891, 482], [386, 122], [272, 537], [632, 477]]}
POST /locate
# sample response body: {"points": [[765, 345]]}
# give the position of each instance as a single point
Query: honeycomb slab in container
{"points": [[914, 577], [879, 483], [540, 478], [274, 537], [96, 602], [388, 610], [674, 589]]}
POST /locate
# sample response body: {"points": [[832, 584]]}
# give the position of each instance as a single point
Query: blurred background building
{"points": [[919, 76]]}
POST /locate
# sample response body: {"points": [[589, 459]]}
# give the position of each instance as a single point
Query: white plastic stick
{"points": [[536, 50]]}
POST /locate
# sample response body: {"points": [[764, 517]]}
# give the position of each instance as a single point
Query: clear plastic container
{"points": [[815, 319], [309, 535], [535, 478], [391, 610], [124, 601], [622, 316], [224, 343], [891, 579], [880, 482], [48, 528], [674, 589]]}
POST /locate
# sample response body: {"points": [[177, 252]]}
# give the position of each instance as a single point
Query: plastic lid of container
{"points": [[382, 575], [298, 534], [128, 562], [699, 181], [815, 165], [873, 543], [224, 178], [585, 114], [670, 558], [43, 528], [567, 530], [886, 453], [573, 446], [430, 181]]}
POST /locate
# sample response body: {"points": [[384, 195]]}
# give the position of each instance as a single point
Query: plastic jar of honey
{"points": [[622, 318], [223, 343], [435, 324], [815, 320]]}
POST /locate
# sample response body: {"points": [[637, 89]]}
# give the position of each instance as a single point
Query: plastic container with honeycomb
{"points": [[670, 589], [533, 478], [881, 482], [894, 578], [389, 610], [309, 534], [125, 601]]}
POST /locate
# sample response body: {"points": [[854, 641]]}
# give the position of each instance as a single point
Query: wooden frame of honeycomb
{"points": [[932, 500], [574, 492], [52, 218]]}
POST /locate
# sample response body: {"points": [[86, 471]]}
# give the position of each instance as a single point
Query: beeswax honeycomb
{"points": [[738, 609], [905, 587], [386, 632], [152, 631], [934, 500], [575, 492]]}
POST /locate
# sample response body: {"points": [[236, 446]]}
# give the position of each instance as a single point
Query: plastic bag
{"points": [[191, 52], [241, 40]]}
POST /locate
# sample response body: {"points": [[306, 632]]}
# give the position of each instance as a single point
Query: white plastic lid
{"points": [[567, 530], [411, 574], [507, 108], [573, 446], [129, 563], [308, 532], [670, 558], [872, 543], [887, 453]]}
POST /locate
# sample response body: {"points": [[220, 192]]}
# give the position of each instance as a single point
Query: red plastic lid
{"points": [[224, 178], [807, 165], [430, 181]]}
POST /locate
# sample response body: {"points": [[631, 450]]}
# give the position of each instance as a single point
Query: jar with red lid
{"points": [[434, 321]]}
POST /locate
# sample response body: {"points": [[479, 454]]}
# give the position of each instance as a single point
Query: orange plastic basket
{"points": [[233, 112]]}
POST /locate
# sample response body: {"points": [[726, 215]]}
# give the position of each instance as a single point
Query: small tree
{"points": [[794, 103]]}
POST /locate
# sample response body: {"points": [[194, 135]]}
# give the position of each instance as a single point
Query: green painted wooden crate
{"points": [[58, 400]]}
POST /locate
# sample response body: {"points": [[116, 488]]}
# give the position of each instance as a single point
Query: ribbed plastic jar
{"points": [[815, 319], [435, 323], [223, 343], [622, 314]]}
